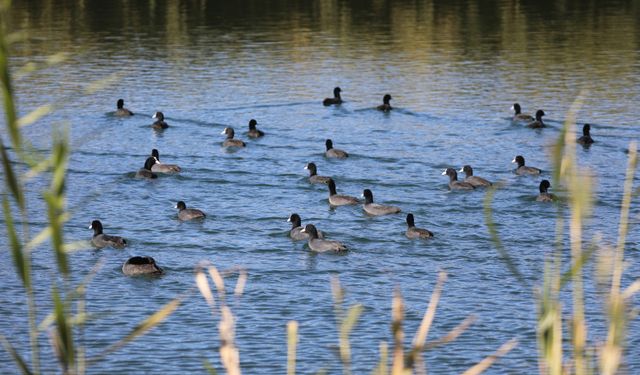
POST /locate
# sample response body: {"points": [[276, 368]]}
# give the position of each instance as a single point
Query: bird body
{"points": [[161, 167], [544, 195], [296, 232], [146, 172], [385, 106], [414, 232], [336, 100], [313, 176], [334, 152], [375, 209], [320, 245], [473, 180], [160, 123], [121, 111], [586, 139], [336, 199], [230, 142], [518, 115], [253, 131], [138, 265], [538, 123], [522, 169], [185, 214], [454, 184], [101, 240]]}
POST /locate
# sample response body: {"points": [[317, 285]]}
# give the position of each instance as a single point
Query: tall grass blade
{"points": [[624, 215], [20, 257], [292, 342], [453, 334], [382, 368], [577, 266], [35, 115], [495, 237], [241, 283], [56, 200], [490, 360], [427, 319], [346, 326], [5, 82], [142, 328], [579, 190], [203, 286], [77, 293], [217, 280], [397, 316], [63, 336], [611, 352], [22, 365], [10, 177], [338, 296], [229, 354], [550, 323], [631, 290], [415, 356]]}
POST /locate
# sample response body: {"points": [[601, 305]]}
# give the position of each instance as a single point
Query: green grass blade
{"points": [[35, 115], [142, 328], [63, 334], [495, 237], [5, 83], [55, 199], [22, 365], [209, 367], [10, 177], [577, 266], [20, 258]]}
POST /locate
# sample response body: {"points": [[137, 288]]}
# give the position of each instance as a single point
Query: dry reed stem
{"points": [[624, 216], [229, 355], [427, 319], [490, 360], [241, 283], [203, 286], [611, 352], [579, 202], [397, 315], [382, 368], [292, 341], [217, 280], [453, 334]]}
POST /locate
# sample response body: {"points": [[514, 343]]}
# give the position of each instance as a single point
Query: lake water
{"points": [[453, 68]]}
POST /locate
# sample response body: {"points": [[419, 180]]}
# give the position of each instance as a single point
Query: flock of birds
{"points": [[315, 239]]}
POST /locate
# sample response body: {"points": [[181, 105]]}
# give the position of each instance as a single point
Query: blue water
{"points": [[453, 70]]}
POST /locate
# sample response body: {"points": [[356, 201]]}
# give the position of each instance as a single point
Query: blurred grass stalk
{"points": [[579, 182], [21, 258], [411, 361], [229, 353], [63, 325]]}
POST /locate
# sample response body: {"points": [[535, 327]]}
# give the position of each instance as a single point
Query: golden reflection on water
{"points": [[582, 29], [534, 46]]}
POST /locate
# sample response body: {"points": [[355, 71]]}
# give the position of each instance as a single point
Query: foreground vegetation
{"points": [[557, 354]]}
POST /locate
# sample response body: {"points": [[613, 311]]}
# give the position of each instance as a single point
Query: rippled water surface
{"points": [[453, 69]]}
